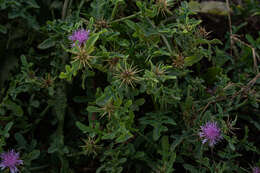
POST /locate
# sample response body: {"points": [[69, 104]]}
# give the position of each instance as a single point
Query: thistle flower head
{"points": [[80, 35], [211, 133], [10, 160], [256, 170]]}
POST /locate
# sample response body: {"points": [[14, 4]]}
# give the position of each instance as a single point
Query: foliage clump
{"points": [[128, 86]]}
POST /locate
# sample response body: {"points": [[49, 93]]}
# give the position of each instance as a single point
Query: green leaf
{"points": [[189, 61], [20, 140], [214, 7], [3, 29], [157, 131], [131, 24], [165, 147], [32, 3], [128, 103], [215, 41], [8, 126], [87, 129], [93, 109], [34, 155], [211, 75], [250, 40], [99, 9], [16, 109], [92, 40], [232, 147], [47, 44], [124, 137]]}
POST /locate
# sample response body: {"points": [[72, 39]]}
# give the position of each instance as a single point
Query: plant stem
{"points": [[80, 6], [64, 9], [114, 11], [38, 168], [125, 18]]}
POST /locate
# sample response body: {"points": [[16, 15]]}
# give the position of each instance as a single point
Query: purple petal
{"points": [[13, 170], [204, 141], [2, 166]]}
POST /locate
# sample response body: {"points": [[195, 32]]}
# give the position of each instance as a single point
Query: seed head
{"points": [[108, 109], [211, 133], [82, 56], [163, 6], [10, 160], [127, 74], [178, 62], [90, 146]]}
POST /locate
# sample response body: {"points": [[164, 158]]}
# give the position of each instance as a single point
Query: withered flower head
{"points": [[108, 108], [159, 70], [163, 6], [47, 81], [101, 24], [82, 56], [178, 62], [90, 146], [127, 74], [112, 62], [203, 33]]}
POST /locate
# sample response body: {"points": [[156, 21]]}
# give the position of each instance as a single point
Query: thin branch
{"points": [[248, 86], [255, 55], [125, 18]]}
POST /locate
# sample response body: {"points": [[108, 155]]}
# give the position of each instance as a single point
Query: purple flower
{"points": [[256, 170], [80, 35], [211, 133], [10, 159]]}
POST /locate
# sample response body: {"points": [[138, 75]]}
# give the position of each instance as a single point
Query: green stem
{"points": [[80, 6], [125, 18], [163, 37], [114, 11], [38, 168], [64, 9], [76, 154]]}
